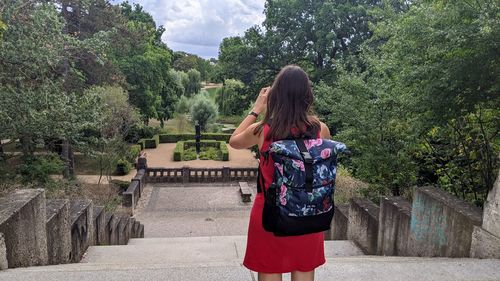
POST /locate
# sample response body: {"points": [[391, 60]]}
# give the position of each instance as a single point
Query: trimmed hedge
{"points": [[149, 143], [179, 151], [172, 138], [224, 150]]}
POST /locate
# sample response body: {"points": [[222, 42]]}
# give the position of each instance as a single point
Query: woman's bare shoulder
{"points": [[325, 131]]}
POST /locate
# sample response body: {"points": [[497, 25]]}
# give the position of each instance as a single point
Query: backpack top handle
{"points": [[308, 161]]}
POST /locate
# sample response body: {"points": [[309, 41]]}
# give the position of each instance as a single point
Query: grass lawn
{"points": [[211, 93]]}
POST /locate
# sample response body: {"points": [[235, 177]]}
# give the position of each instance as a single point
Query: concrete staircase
{"points": [[220, 257]]}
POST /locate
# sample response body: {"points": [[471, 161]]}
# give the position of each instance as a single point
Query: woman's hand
{"points": [[261, 102]]}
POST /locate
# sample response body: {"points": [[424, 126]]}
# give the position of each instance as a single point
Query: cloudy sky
{"points": [[198, 26]]}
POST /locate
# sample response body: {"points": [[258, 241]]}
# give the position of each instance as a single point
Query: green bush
{"points": [[133, 152], [224, 151], [39, 168], [142, 143], [149, 143], [172, 138], [210, 149], [189, 154], [210, 153], [179, 151], [123, 167]]}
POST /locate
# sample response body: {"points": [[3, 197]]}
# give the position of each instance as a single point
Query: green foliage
{"points": [[230, 98], [204, 111], [193, 85], [39, 168], [123, 167], [172, 138], [133, 152], [149, 143], [209, 150], [179, 151]]}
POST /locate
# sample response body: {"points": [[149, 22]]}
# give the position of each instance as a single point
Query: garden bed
{"points": [[209, 150]]}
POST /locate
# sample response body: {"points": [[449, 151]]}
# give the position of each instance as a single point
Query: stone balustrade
{"points": [[36, 231]]}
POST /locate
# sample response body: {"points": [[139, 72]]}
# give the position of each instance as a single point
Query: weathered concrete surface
{"points": [[123, 230], [131, 196], [491, 215], [215, 210], [338, 230], [99, 225], [484, 244], [394, 226], [219, 258], [486, 240], [58, 231], [3, 253], [140, 177], [114, 231], [441, 224], [363, 224], [82, 227], [141, 231], [22, 221]]}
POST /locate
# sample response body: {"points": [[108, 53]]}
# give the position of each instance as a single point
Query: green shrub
{"points": [[133, 152], [189, 154], [210, 153], [179, 151], [224, 151], [123, 167], [172, 138], [138, 132], [39, 168], [142, 143]]}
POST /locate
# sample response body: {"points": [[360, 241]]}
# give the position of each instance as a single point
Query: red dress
{"points": [[267, 253]]}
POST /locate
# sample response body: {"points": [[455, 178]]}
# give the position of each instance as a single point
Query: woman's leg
{"points": [[303, 276], [269, 276]]}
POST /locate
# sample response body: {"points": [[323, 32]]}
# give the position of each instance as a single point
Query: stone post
{"points": [[185, 174], [226, 174]]}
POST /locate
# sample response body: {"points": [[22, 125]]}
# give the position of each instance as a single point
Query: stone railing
{"points": [[187, 174], [435, 224], [37, 231]]}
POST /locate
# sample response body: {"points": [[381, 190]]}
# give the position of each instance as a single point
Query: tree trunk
{"points": [[26, 145], [65, 158], [71, 159]]}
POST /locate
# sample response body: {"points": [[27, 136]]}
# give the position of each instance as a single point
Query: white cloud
{"points": [[199, 26]]}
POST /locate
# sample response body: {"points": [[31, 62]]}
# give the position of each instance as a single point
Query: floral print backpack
{"points": [[300, 198]]}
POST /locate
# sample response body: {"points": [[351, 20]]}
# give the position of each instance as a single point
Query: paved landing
{"points": [[194, 210]]}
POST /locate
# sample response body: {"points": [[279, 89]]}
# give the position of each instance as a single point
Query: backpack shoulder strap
{"points": [[308, 161]]}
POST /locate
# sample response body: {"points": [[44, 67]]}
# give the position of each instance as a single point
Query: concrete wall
{"points": [[3, 253], [441, 224], [394, 226], [486, 239], [340, 221], [363, 224], [99, 225], [22, 221], [58, 231], [82, 229]]}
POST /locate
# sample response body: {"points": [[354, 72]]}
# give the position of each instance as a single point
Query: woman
{"points": [[287, 107]]}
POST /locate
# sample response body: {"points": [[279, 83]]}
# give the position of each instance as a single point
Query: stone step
{"points": [[367, 268], [192, 250]]}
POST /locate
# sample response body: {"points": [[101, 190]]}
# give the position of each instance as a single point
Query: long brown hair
{"points": [[289, 106]]}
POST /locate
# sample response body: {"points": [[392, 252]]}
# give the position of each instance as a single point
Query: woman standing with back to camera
{"points": [[287, 108]]}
